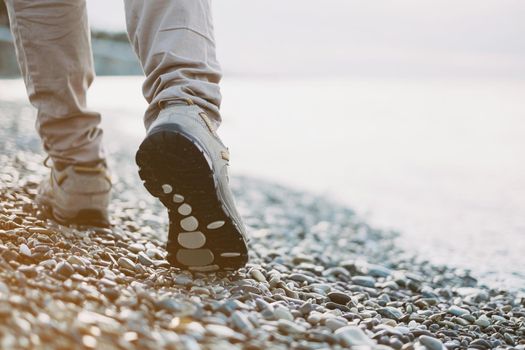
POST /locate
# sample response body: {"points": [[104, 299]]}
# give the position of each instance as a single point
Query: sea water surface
{"points": [[440, 161]]}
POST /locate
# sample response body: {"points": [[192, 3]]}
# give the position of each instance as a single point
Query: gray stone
{"points": [[431, 343], [136, 247], [183, 280], [126, 263], [458, 311], [390, 312], [283, 313], [378, 270], [290, 327], [241, 321], [334, 323], [365, 281], [353, 336], [483, 321], [169, 304]]}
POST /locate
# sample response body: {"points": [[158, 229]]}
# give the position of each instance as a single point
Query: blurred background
{"points": [[411, 112]]}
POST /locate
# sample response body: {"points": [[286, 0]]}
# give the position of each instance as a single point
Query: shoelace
{"points": [[80, 169]]}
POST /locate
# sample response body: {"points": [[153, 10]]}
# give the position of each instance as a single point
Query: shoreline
{"points": [[319, 277]]}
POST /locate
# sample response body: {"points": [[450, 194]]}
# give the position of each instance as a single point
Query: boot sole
{"points": [[202, 234]]}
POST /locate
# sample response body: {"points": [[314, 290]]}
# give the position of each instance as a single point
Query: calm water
{"points": [[440, 161]]}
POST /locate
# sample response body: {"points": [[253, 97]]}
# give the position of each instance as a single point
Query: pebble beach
{"points": [[319, 276]]}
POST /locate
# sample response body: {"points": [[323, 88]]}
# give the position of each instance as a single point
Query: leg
{"points": [[182, 161], [175, 45], [54, 51]]}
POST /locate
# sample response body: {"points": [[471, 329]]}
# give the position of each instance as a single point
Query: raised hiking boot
{"points": [[76, 194], [183, 162]]}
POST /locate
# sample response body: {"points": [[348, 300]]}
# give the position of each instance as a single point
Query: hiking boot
{"points": [[76, 194], [183, 162]]}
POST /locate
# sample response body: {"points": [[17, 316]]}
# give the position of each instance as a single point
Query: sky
{"points": [[333, 38]]}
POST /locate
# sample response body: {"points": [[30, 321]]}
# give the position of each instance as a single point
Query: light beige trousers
{"points": [[173, 40]]}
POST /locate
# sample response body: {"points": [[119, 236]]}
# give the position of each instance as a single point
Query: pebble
{"points": [[483, 321], [65, 269], [365, 281], [126, 263], [378, 270], [390, 312], [136, 247], [4, 290], [224, 332], [169, 304], [351, 336], [334, 323], [458, 311], [145, 259], [241, 321], [283, 313], [183, 280], [290, 327], [431, 343], [339, 298], [24, 250], [257, 275]]}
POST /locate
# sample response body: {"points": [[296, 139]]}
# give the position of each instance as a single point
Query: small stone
{"points": [[183, 280], [458, 311], [353, 336], [130, 336], [509, 339], [390, 312], [144, 259], [241, 321], [136, 248], [65, 269], [25, 251], [50, 263], [126, 263], [335, 323], [431, 343], [483, 321], [480, 343], [283, 313], [89, 341], [111, 293], [169, 304], [339, 298], [257, 275], [223, 332], [4, 290], [365, 281], [75, 260], [299, 277], [28, 271], [290, 327], [314, 318], [378, 270]]}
